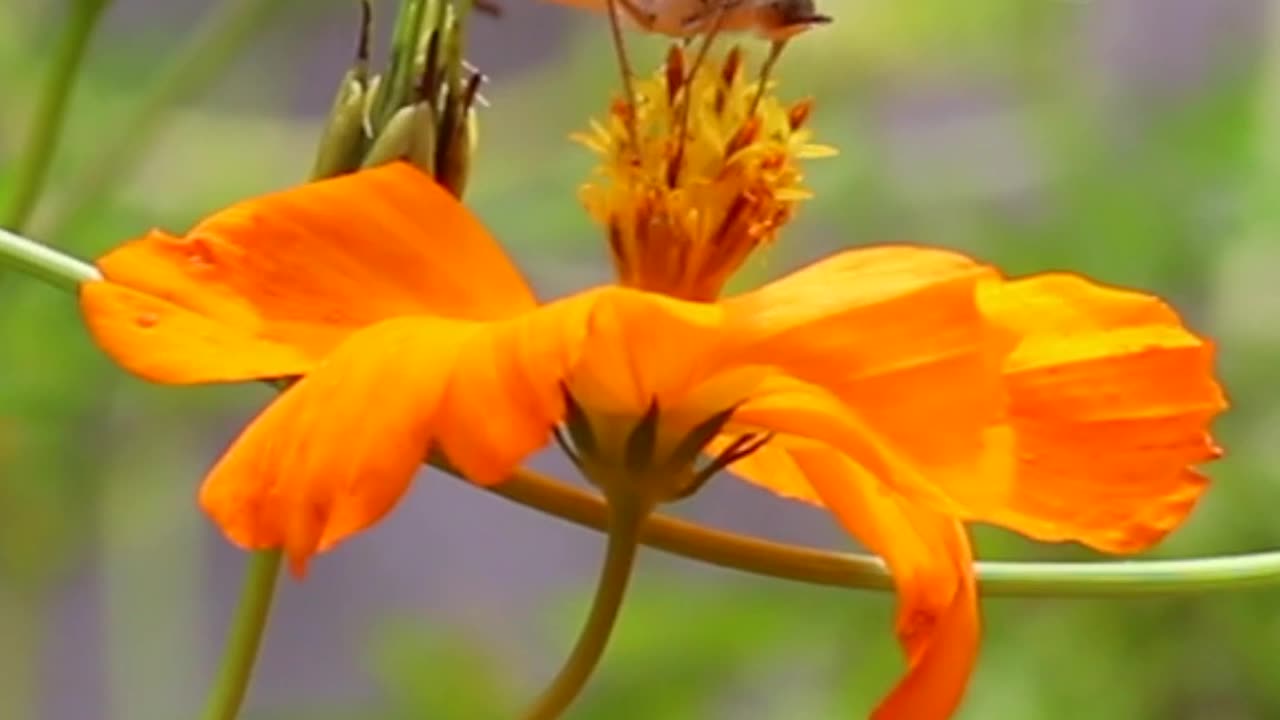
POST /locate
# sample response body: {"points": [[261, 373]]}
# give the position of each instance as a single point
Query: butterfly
{"points": [[776, 20]]}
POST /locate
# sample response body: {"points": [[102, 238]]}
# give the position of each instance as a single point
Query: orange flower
{"points": [[908, 390]]}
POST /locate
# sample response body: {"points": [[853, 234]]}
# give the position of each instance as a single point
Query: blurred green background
{"points": [[1137, 141]]}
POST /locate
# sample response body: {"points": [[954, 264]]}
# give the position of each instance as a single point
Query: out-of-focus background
{"points": [[1137, 141]]}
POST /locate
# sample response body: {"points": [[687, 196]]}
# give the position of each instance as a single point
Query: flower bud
{"points": [[410, 134], [343, 140], [455, 163]]}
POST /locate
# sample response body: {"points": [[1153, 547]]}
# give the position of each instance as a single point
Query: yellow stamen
{"points": [[686, 201]]}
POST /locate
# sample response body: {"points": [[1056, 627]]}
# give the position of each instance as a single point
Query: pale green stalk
{"points": [[820, 567], [44, 263], [24, 621], [220, 38], [397, 85], [51, 112], [245, 637], [625, 519], [864, 572]]}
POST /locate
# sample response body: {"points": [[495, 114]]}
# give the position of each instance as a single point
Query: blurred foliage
{"points": [[986, 125]]}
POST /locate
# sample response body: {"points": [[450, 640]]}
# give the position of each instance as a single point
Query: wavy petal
{"points": [[803, 415], [162, 341], [639, 348], [504, 398], [335, 452], [269, 286], [896, 334], [1051, 405], [770, 467], [644, 346], [931, 562], [1110, 399]]}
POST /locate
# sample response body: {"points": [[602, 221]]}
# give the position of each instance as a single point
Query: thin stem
{"points": [[766, 70], [43, 262], [246, 636], [863, 572], [714, 547], [624, 67], [51, 112], [790, 562], [404, 44], [624, 523], [703, 50], [220, 38]]}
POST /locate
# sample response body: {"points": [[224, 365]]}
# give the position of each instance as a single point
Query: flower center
{"points": [[711, 173]]}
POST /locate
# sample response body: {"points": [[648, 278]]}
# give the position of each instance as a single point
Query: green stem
{"points": [[246, 636], [51, 112], [625, 520], [220, 38], [44, 263], [398, 82], [819, 567], [864, 572]]}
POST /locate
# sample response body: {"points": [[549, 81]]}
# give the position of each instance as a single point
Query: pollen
{"points": [[699, 170]]}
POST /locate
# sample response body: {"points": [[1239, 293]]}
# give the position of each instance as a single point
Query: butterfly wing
{"points": [[596, 5]]}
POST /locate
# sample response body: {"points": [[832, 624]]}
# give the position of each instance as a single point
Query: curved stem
{"points": [[693, 541], [864, 572], [790, 562], [624, 522], [221, 37], [51, 111], [246, 636]]}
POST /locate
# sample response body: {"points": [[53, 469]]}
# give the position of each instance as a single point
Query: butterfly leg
{"points": [[775, 52], [624, 62], [646, 20], [714, 26]]}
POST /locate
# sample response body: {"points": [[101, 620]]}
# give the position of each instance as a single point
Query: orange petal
{"points": [[612, 348], [643, 346], [896, 334], [276, 282], [336, 451], [1110, 399], [771, 467], [798, 411], [505, 396], [931, 562], [159, 340], [333, 454]]}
